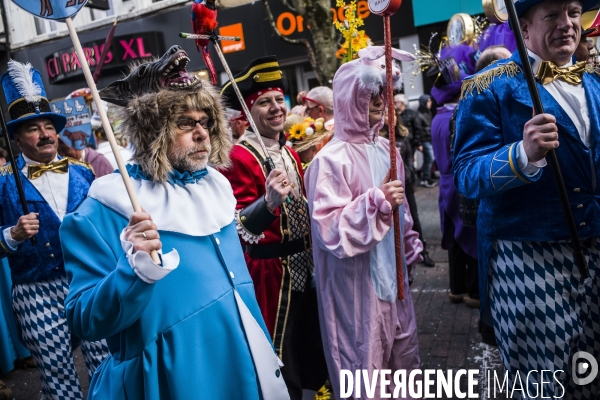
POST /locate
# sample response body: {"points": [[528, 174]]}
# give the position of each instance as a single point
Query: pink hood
{"points": [[351, 105], [353, 85]]}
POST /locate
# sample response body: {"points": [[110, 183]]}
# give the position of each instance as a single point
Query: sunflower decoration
{"points": [[304, 132], [297, 132], [354, 40]]}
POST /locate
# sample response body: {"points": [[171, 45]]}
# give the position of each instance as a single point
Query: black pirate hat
{"points": [[262, 74]]}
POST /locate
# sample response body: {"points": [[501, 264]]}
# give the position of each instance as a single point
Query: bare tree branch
{"points": [[311, 53], [289, 6], [299, 5]]}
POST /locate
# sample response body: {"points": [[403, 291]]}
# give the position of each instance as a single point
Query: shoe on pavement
{"points": [[471, 302], [427, 261], [457, 298], [428, 184], [25, 363]]}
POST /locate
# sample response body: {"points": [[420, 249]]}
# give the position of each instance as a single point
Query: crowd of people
{"points": [[263, 261]]}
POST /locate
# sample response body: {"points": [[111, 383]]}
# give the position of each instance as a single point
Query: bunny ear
{"points": [[371, 52], [402, 55]]}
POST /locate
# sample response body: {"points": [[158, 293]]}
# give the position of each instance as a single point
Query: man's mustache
{"points": [[44, 142], [199, 148]]}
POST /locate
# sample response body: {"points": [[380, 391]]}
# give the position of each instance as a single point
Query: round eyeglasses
{"points": [[188, 124]]}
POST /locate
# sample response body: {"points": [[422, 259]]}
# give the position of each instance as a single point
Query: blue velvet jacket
{"points": [[45, 261], [494, 107]]}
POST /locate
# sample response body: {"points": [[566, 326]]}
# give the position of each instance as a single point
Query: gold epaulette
{"points": [[81, 163], [6, 170], [483, 80]]}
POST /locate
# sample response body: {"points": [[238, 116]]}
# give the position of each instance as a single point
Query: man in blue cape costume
{"points": [[544, 313], [53, 186]]}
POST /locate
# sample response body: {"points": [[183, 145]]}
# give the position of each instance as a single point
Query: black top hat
{"points": [[26, 97], [261, 74]]}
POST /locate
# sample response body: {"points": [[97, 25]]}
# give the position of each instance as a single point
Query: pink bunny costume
{"points": [[363, 324]]}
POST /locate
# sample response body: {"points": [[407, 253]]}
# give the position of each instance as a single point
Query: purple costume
{"points": [[448, 201], [100, 163], [498, 34]]}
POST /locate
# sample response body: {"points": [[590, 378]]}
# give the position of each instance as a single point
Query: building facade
{"points": [[149, 27]]}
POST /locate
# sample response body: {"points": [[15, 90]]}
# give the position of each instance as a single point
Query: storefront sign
{"points": [[288, 23], [65, 64], [229, 46]]}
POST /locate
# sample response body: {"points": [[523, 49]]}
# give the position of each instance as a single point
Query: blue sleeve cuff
{"points": [[505, 172]]}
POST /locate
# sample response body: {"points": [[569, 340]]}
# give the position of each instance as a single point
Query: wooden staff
{"points": [[387, 8], [15, 169], [387, 38], [105, 124], [551, 155]]}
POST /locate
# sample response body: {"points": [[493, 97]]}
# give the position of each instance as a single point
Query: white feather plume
{"points": [[22, 76]]}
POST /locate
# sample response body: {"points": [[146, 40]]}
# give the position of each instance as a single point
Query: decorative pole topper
{"points": [[495, 11], [384, 7]]}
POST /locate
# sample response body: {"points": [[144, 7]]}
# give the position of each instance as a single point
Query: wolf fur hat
{"points": [[149, 123]]}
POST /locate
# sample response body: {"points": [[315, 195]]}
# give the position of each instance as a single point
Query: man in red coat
{"points": [[274, 226]]}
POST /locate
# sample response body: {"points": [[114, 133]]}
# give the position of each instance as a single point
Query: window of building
{"points": [[43, 26], [100, 14]]}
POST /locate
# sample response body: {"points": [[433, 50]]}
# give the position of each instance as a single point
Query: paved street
{"points": [[448, 335]]}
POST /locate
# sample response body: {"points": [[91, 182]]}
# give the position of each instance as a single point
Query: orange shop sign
{"points": [[230, 46], [289, 23]]}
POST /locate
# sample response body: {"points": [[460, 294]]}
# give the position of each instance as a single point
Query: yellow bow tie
{"points": [[35, 171], [547, 72]]}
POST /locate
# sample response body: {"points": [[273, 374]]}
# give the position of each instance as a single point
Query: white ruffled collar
{"points": [[198, 209]]}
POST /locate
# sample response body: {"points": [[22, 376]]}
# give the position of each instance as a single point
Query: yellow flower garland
{"points": [[354, 40]]}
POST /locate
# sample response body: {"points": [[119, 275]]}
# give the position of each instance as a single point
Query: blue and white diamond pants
{"points": [[39, 308], [543, 315]]}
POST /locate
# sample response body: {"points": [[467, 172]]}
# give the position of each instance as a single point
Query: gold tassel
{"points": [[483, 81]]}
